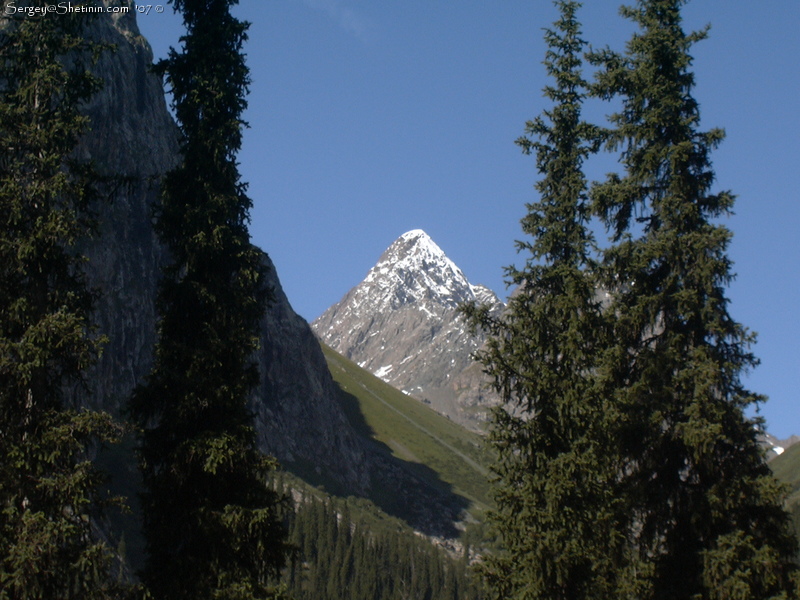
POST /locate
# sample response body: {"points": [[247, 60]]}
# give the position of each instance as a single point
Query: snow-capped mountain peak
{"points": [[415, 269], [402, 323]]}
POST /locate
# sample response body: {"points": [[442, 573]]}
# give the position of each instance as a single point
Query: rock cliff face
{"points": [[402, 324], [133, 136], [298, 416]]}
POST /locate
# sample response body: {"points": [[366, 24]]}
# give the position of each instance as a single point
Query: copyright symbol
{"points": [[159, 8]]}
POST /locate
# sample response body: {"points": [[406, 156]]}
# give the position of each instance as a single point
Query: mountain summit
{"points": [[402, 324], [414, 270]]}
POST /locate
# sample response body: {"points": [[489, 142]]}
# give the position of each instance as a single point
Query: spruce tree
{"points": [[704, 513], [49, 489], [555, 464], [212, 524]]}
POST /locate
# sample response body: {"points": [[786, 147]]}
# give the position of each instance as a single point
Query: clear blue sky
{"points": [[370, 118]]}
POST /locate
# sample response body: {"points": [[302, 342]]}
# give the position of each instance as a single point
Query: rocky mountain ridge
{"points": [[402, 324]]}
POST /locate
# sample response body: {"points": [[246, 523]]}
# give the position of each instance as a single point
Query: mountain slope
{"points": [[429, 444], [786, 468], [401, 323]]}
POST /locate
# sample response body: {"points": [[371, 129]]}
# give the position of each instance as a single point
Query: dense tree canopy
{"points": [[343, 554], [555, 470], [627, 465], [48, 486], [213, 525], [705, 516]]}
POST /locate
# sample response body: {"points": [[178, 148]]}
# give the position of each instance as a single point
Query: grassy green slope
{"points": [[786, 467], [413, 432]]}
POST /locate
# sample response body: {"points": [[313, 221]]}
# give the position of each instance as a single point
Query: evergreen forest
{"points": [[345, 550]]}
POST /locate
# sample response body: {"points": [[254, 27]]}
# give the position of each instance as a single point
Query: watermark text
{"points": [[63, 8]]}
